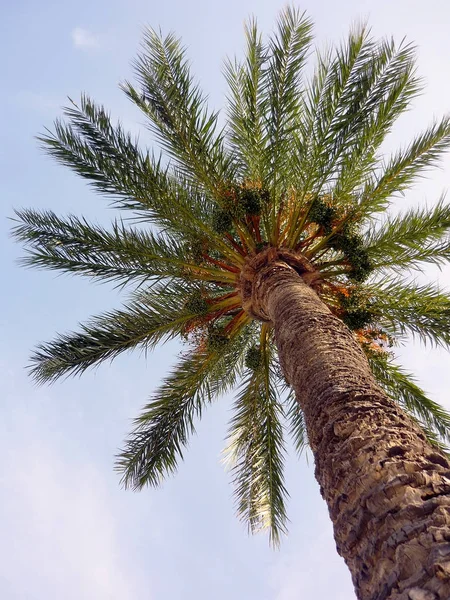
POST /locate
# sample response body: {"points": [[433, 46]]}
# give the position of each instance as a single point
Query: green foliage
{"points": [[176, 111], [401, 387], [298, 165], [403, 308], [288, 49], [121, 253], [246, 105], [391, 83], [348, 109], [162, 430], [296, 422], [102, 153], [151, 317], [407, 240], [255, 450], [423, 153]]}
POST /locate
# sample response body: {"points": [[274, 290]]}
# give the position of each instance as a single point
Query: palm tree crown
{"points": [[297, 171]]}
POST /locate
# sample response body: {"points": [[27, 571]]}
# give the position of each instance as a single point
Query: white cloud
{"points": [[295, 576], [84, 39], [59, 527], [37, 101]]}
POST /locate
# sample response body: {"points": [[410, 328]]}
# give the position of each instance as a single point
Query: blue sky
{"points": [[68, 530]]}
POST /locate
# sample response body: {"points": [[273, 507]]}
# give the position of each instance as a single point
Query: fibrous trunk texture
{"points": [[387, 488]]}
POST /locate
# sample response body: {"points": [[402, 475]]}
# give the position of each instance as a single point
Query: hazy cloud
{"points": [[59, 526], [84, 39], [37, 101], [290, 578]]}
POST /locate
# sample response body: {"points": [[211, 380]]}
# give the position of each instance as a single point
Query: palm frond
{"points": [[406, 166], [402, 388], [403, 308], [151, 317], [176, 109], [389, 86], [114, 165], [410, 239], [245, 105], [335, 89], [123, 254], [288, 49], [296, 422], [433, 438], [365, 88], [104, 154], [346, 112], [255, 451], [162, 430]]}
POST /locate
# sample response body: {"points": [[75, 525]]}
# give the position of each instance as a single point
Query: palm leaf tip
{"points": [[44, 369]]}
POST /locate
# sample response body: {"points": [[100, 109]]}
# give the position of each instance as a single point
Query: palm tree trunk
{"points": [[387, 489]]}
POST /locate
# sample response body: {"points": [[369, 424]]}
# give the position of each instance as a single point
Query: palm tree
{"points": [[266, 246]]}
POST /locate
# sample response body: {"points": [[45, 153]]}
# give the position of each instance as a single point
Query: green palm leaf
{"points": [[405, 166], [388, 87], [114, 164], [401, 387], [163, 428], [288, 49], [406, 241], [336, 86], [255, 450], [246, 105], [347, 111], [407, 308], [296, 423], [121, 254], [104, 154], [151, 317], [176, 110]]}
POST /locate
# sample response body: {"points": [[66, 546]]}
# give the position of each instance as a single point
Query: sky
{"points": [[68, 529]]}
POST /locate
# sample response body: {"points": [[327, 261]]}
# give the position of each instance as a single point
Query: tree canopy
{"points": [[299, 167]]}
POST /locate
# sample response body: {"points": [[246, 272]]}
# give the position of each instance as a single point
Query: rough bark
{"points": [[387, 489]]}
